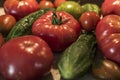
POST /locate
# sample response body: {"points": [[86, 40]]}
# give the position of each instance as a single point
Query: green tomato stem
{"points": [[57, 19]]}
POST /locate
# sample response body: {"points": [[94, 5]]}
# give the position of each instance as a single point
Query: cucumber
{"points": [[77, 58], [23, 26]]}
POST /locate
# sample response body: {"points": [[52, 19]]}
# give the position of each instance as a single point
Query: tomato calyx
{"points": [[57, 19]]}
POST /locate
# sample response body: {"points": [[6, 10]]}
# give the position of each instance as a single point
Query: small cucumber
{"points": [[78, 57], [23, 26]]}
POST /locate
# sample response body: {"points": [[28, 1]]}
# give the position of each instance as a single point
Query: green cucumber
{"points": [[77, 58], [23, 26]]}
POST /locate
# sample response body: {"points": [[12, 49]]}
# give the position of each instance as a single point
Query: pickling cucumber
{"points": [[23, 26], [77, 58]]}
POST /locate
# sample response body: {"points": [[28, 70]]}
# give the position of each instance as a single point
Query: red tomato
{"points": [[20, 8], [6, 23], [58, 2], [58, 33], [25, 58], [110, 7], [46, 4], [89, 20], [108, 37]]}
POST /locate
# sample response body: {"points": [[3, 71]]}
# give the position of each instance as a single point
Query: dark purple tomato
{"points": [[25, 58]]}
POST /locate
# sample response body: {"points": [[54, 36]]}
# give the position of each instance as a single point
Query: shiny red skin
{"points": [[89, 20], [46, 4], [110, 7], [25, 58], [20, 8], [108, 37], [60, 36]]}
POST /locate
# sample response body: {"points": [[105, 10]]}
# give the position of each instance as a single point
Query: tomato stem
{"points": [[55, 19]]}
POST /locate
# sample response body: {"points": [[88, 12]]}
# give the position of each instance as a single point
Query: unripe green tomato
{"points": [[91, 7], [71, 7]]}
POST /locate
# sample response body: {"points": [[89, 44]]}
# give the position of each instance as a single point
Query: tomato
{"points": [[89, 20], [25, 58], [20, 8], [6, 23], [91, 7], [58, 29], [110, 7], [58, 2], [106, 70], [108, 37], [71, 7], [46, 4]]}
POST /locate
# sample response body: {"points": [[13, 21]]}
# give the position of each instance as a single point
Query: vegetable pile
{"points": [[85, 36]]}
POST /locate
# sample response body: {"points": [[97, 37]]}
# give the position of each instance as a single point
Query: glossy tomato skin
{"points": [[110, 7], [108, 37], [20, 8], [6, 23], [46, 4], [25, 58], [89, 20], [58, 36], [106, 70]]}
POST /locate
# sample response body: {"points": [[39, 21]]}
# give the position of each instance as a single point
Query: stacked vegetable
{"points": [[86, 36]]}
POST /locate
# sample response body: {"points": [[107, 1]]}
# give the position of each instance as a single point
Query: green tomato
{"points": [[91, 7], [71, 7]]}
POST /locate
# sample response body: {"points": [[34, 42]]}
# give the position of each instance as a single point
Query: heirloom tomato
{"points": [[58, 29], [110, 7], [20, 8], [108, 36], [25, 58]]}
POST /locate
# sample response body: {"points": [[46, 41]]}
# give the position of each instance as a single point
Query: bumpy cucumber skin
{"points": [[77, 58], [23, 26]]}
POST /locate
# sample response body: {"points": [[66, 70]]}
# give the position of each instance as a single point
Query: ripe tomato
{"points": [[6, 23], [89, 20], [25, 58], [46, 4], [58, 30], [106, 70], [110, 7], [58, 2], [108, 36], [20, 8]]}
